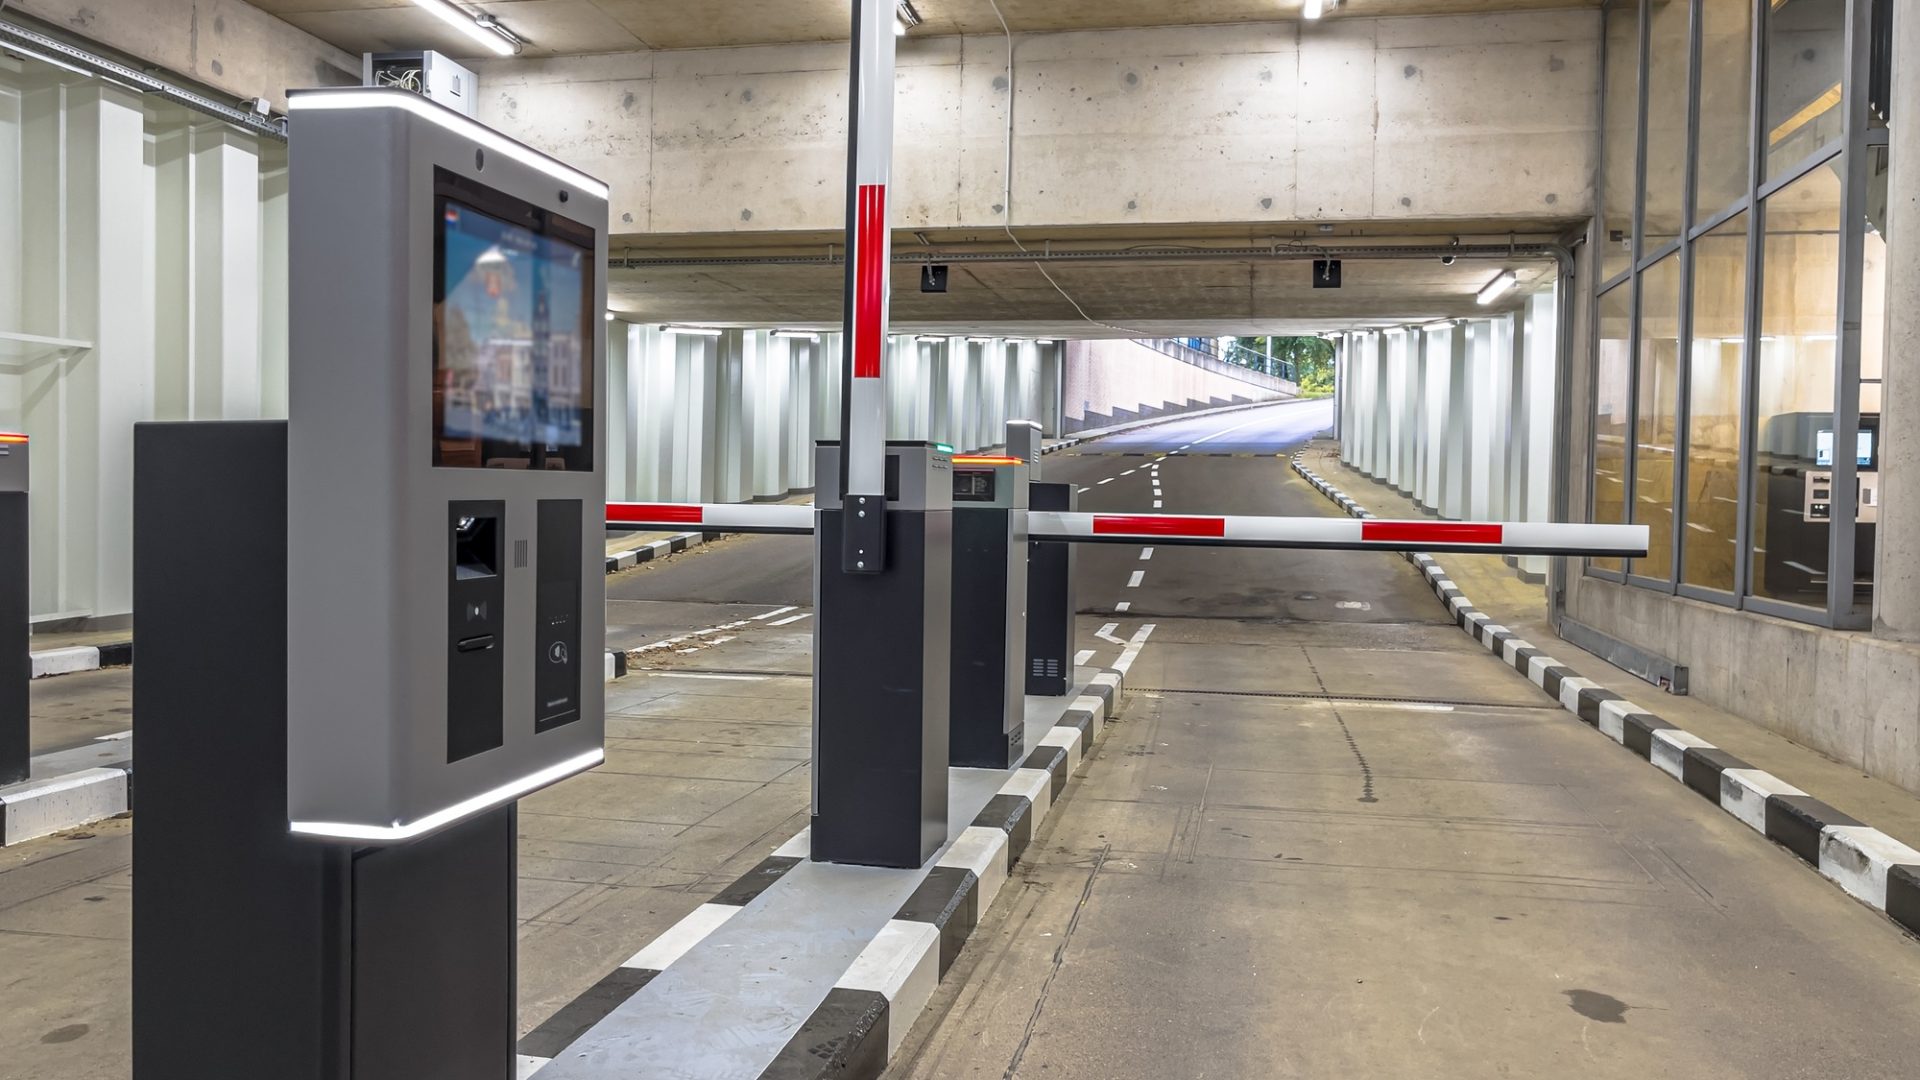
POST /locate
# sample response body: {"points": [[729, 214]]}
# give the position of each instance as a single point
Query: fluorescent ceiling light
{"points": [[899, 28], [459, 123], [797, 335], [982, 340], [1498, 287], [1313, 9], [1438, 324], [610, 316], [466, 24], [904, 18], [691, 331]]}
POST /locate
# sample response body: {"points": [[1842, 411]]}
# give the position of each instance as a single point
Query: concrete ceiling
{"points": [[570, 27], [1150, 296]]}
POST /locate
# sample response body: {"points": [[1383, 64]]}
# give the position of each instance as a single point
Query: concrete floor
{"points": [[1335, 840], [1330, 837]]}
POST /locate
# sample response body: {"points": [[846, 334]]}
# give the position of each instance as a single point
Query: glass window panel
{"points": [[1806, 53], [1619, 144], [1717, 359], [1610, 404], [1657, 415], [1667, 56], [1794, 376], [1726, 117]]}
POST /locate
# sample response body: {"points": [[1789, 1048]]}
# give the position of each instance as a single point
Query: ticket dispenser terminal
{"points": [[987, 702], [445, 494]]}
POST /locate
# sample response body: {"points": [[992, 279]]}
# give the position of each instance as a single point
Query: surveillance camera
{"points": [[1447, 260]]}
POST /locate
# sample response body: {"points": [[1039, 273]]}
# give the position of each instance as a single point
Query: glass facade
{"points": [[1716, 373], [1730, 398], [1656, 415]]}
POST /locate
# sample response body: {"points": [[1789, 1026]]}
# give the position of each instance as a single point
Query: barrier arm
{"points": [[1240, 531], [1340, 534], [713, 517]]}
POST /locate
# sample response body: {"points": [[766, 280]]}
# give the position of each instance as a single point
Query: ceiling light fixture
{"points": [[1438, 324], [1313, 9], [796, 335], [1498, 287], [904, 18], [487, 34], [691, 331], [609, 316]]}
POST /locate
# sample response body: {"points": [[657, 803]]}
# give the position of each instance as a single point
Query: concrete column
{"points": [[802, 355], [1434, 400], [1382, 407], [106, 391], [1896, 590], [1541, 340], [1340, 395], [613, 407], [1394, 366], [1516, 416], [696, 413], [1479, 378], [1456, 426], [1407, 392], [226, 275], [1422, 417]]}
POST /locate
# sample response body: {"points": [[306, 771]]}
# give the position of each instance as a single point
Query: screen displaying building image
{"points": [[512, 385]]}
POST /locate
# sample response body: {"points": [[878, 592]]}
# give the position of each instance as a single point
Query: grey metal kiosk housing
{"points": [[988, 695], [397, 593], [444, 467]]}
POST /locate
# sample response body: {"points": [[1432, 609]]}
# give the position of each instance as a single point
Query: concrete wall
{"points": [[142, 277], [1459, 419], [228, 45], [1112, 382], [1469, 116]]}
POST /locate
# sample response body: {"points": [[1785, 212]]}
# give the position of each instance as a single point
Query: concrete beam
{"points": [[228, 45], [1475, 117]]}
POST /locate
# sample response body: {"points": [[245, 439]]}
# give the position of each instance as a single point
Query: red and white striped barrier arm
{"points": [[869, 247], [1373, 534], [711, 517]]}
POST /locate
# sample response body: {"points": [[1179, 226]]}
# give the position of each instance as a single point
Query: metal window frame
{"points": [[1627, 278], [1857, 135]]}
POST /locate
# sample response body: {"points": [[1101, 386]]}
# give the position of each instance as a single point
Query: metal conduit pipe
{"points": [[59, 52], [1277, 252]]}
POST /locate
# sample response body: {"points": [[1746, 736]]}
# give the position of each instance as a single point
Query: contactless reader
{"points": [[445, 493]]}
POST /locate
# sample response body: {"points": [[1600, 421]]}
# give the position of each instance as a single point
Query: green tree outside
{"points": [[1311, 357]]}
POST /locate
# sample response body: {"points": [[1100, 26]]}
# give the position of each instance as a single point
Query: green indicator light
{"points": [[943, 448]]}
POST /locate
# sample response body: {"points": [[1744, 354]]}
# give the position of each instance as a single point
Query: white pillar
{"points": [[1456, 426], [226, 274], [1480, 350], [615, 416], [1422, 418], [1896, 590]]}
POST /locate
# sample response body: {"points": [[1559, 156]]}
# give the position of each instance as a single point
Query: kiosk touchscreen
{"points": [[445, 494]]}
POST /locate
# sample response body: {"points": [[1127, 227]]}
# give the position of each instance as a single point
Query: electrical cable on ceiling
{"points": [[1006, 195]]}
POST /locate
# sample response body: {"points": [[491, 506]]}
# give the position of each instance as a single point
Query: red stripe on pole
{"points": [[1151, 525], [1425, 532], [869, 280], [661, 513]]}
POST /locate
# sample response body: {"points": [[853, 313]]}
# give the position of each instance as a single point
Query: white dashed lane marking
{"points": [[1145, 554], [1134, 581]]}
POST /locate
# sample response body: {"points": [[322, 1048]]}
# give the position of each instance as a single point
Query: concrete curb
{"points": [[856, 1030], [1871, 866], [51, 662], [75, 787]]}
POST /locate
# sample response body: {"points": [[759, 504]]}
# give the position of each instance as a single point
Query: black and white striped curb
{"points": [[856, 1030], [1871, 866], [75, 658], [658, 549]]}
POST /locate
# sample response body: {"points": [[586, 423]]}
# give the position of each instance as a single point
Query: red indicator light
{"points": [[1151, 525], [665, 513], [12, 437], [1428, 532]]}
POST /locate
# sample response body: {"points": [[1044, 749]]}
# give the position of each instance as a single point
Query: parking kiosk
{"points": [[369, 630], [987, 704]]}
